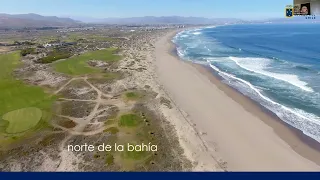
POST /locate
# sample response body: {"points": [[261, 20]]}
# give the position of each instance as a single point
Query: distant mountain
{"points": [[33, 20], [86, 19], [160, 20]]}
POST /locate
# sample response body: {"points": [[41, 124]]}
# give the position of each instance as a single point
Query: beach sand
{"points": [[220, 129]]}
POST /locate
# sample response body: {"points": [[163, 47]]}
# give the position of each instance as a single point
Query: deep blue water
{"points": [[275, 65]]}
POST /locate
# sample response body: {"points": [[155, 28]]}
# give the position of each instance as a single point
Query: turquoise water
{"points": [[277, 66]]}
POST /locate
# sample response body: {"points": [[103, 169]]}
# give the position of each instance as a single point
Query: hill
{"points": [[159, 20], [33, 20]]}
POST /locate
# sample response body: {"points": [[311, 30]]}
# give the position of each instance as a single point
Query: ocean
{"points": [[276, 65]]}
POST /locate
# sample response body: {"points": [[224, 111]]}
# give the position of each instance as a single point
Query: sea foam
{"points": [[228, 63], [258, 65], [196, 33], [295, 117]]}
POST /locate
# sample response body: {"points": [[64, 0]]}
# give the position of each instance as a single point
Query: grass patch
{"points": [[100, 38], [73, 37], [112, 130], [109, 159], [109, 122], [22, 119], [111, 76], [3, 125], [135, 131], [134, 155], [133, 95], [90, 37], [129, 120], [54, 56], [17, 95], [96, 156], [78, 65]]}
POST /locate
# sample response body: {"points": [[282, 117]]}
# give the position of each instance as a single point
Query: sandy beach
{"points": [[219, 128]]}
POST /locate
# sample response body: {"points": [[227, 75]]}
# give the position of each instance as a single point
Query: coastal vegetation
{"points": [[78, 65], [133, 95], [129, 120], [112, 130], [54, 56], [22, 106], [27, 51], [89, 37], [130, 128], [88, 107]]}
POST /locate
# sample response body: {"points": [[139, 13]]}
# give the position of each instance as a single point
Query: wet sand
{"points": [[299, 142], [247, 136]]}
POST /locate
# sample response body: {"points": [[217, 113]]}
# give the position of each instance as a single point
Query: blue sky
{"points": [[245, 9]]}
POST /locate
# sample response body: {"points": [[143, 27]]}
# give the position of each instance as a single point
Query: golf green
{"points": [[22, 119]]}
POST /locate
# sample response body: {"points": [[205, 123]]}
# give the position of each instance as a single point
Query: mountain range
{"points": [[33, 20], [37, 21], [158, 20]]}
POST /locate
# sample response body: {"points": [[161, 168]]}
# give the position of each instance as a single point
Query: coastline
{"points": [[261, 141], [203, 158], [298, 141]]}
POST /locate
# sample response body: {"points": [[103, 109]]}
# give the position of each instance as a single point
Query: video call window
{"points": [[306, 7]]}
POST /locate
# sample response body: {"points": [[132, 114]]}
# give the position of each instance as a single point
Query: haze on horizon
{"points": [[91, 9]]}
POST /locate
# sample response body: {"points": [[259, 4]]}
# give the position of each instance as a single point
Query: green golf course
{"points": [[22, 106]]}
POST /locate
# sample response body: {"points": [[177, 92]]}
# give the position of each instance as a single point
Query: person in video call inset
{"points": [[305, 9]]}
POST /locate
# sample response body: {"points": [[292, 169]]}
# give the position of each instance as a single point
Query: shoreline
{"points": [[304, 149], [195, 149], [298, 141], [266, 115]]}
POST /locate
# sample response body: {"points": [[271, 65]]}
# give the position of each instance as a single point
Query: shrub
{"points": [[54, 56], [27, 51]]}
